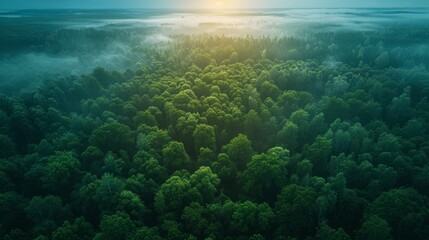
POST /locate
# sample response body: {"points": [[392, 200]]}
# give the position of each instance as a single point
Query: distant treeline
{"points": [[65, 41]]}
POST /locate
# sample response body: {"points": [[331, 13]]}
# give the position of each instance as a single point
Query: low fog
{"points": [[39, 45]]}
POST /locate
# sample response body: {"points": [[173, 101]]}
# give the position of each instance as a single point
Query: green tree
{"points": [[204, 136], [144, 187], [194, 220], [17, 234], [79, 229], [175, 156], [107, 192], [374, 228], [239, 150], [7, 146], [131, 204], [12, 210], [249, 217], [399, 109], [206, 182], [113, 136], [319, 153], [174, 195], [407, 214], [325, 232], [113, 165], [252, 125], [146, 233], [266, 174], [288, 136], [117, 226], [47, 213], [296, 211], [61, 172]]}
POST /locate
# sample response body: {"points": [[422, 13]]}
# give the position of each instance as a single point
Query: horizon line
{"points": [[209, 9]]}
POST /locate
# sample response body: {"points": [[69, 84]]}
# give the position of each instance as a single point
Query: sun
{"points": [[218, 4]]}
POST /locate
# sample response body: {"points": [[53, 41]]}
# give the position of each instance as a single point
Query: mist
{"points": [[48, 44]]}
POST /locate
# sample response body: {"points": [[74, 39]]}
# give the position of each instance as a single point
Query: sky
{"points": [[219, 4]]}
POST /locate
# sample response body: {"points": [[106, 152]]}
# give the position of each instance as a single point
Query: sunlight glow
{"points": [[218, 4]]}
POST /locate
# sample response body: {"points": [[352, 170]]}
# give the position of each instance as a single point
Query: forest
{"points": [[217, 137]]}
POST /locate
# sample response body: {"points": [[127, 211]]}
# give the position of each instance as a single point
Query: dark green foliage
{"points": [[79, 230], [12, 208], [47, 213], [146, 233], [327, 233], [296, 211], [173, 195], [175, 156], [204, 137], [374, 228], [7, 146], [117, 226], [206, 182], [239, 150], [401, 208], [113, 137], [266, 174], [61, 172]]}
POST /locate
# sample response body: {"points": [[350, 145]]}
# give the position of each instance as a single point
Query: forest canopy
{"points": [[219, 137]]}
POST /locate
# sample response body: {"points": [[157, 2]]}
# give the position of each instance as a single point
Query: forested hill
{"points": [[224, 138]]}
